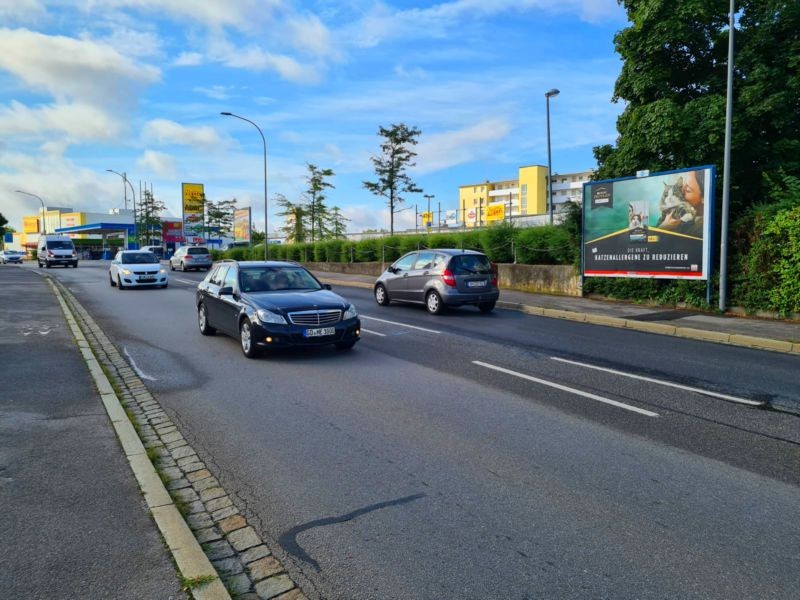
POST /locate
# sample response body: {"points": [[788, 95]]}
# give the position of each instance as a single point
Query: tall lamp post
{"points": [[264, 141], [549, 94], [429, 197], [126, 180], [44, 213]]}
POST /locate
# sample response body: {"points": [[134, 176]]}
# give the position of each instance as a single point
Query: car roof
{"points": [[266, 263], [449, 251]]}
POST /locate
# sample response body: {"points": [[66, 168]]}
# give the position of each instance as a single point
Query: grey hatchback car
{"points": [[440, 278]]}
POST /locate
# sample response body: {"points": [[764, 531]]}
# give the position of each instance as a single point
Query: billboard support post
{"points": [[726, 181]]}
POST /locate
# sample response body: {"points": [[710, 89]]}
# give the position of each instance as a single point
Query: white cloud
{"points": [[67, 68], [308, 33], [131, 42], [20, 11], [167, 132], [159, 163], [415, 73], [217, 92], [256, 59], [79, 122], [188, 59], [443, 150]]}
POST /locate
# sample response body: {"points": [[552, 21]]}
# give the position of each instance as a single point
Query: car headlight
{"points": [[267, 316], [162, 270], [126, 271], [350, 313]]}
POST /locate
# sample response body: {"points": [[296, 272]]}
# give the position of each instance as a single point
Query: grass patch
{"points": [[192, 583], [182, 506]]}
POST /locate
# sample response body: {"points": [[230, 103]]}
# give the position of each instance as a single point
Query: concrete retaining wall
{"points": [[546, 279]]}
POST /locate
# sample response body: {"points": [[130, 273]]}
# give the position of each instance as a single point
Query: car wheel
{"points": [[433, 302], [381, 295], [345, 345], [202, 321], [486, 307], [111, 280], [47, 264], [40, 263], [249, 348], [183, 267], [119, 283]]}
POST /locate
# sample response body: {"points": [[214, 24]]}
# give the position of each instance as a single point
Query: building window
{"points": [[523, 197]]}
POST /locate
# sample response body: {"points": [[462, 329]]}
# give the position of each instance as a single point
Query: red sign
{"points": [[172, 231]]}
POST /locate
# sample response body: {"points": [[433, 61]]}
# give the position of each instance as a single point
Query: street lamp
{"points": [[549, 94], [429, 224], [126, 180], [44, 214], [264, 141]]}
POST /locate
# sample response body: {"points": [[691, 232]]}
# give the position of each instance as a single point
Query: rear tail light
{"points": [[449, 278]]}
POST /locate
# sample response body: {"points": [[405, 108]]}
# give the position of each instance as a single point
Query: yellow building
{"points": [[484, 203]]}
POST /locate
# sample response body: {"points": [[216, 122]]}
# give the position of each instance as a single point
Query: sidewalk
{"points": [[779, 336], [74, 522]]}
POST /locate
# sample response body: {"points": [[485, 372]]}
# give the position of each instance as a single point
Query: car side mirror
{"points": [[392, 270], [327, 286], [226, 291]]}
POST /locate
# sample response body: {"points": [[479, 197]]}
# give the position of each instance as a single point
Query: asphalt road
{"points": [[461, 457]]}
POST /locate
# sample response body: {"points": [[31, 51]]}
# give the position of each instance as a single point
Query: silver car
{"points": [[11, 256], [191, 257], [440, 278]]}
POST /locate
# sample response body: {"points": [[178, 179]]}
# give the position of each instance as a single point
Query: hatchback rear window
{"points": [[197, 251], [470, 264]]}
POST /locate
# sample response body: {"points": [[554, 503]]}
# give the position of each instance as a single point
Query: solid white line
{"points": [[401, 324], [139, 372], [564, 388], [373, 332], [662, 382]]}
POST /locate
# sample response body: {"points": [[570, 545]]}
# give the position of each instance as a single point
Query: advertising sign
{"points": [[495, 212], [30, 225], [172, 232], [427, 218], [451, 217], [656, 227], [242, 225], [194, 201]]}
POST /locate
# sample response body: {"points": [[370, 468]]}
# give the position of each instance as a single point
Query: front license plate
{"points": [[146, 280], [320, 332], [476, 283]]}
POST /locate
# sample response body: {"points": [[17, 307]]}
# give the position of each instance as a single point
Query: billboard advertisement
{"points": [[495, 212], [657, 226], [172, 232], [242, 225], [194, 201], [30, 224]]}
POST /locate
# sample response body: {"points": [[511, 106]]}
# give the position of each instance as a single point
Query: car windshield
{"points": [[59, 245], [275, 279], [470, 264], [138, 258]]}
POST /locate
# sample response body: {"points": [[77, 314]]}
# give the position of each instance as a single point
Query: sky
{"points": [[137, 86]]}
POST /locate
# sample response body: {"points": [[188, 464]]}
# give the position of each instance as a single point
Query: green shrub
{"points": [[497, 241]]}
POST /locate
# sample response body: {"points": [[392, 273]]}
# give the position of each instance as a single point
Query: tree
{"points": [[294, 228], [390, 167], [219, 216], [148, 218], [317, 211], [673, 81], [337, 224]]}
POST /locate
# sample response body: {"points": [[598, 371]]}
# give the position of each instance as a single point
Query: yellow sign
{"points": [[72, 219], [194, 200], [495, 212], [427, 218], [30, 224]]}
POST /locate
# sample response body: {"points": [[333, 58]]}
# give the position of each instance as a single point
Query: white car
{"points": [[134, 268]]}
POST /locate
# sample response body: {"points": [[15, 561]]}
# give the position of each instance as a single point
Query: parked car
{"points": [[157, 250], [273, 304], [191, 257], [135, 268], [438, 279], [11, 256], [56, 250]]}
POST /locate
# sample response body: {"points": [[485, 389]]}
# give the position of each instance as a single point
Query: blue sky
{"points": [[138, 85]]}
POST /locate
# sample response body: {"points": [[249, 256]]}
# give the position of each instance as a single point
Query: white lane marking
{"points": [[400, 324], [564, 388], [373, 332], [139, 372], [189, 281], [662, 382]]}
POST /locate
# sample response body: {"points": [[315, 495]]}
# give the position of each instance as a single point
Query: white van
{"points": [[56, 250]]}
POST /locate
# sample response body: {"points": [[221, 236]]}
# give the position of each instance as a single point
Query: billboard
{"points": [[30, 224], [657, 226], [495, 212], [194, 201], [172, 232], [242, 225]]}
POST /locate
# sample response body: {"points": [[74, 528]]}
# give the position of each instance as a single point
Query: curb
{"points": [[185, 549], [199, 520], [732, 339]]}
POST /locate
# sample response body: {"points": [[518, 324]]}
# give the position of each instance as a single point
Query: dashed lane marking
{"points": [[400, 324], [565, 388], [373, 332]]}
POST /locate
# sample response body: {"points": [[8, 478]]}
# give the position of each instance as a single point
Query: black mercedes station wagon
{"points": [[274, 304]]}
